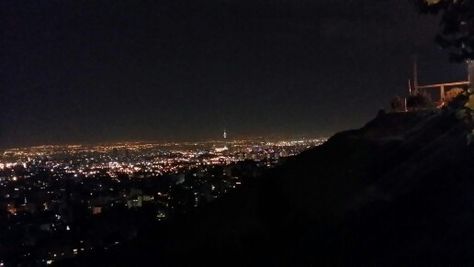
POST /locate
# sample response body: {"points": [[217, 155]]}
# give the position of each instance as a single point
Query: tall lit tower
{"points": [[225, 148], [226, 142]]}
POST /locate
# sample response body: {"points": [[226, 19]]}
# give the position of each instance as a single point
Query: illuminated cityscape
{"points": [[57, 202], [236, 133]]}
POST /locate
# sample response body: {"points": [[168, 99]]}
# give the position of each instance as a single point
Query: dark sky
{"points": [[100, 71]]}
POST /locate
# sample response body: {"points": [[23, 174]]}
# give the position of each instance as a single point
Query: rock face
{"points": [[399, 191]]}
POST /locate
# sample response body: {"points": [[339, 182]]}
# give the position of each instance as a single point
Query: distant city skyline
{"points": [[216, 139], [159, 180]]}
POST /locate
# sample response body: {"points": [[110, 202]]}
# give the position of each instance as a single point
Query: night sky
{"points": [[104, 71]]}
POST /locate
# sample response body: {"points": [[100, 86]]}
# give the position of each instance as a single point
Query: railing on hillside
{"points": [[443, 88]]}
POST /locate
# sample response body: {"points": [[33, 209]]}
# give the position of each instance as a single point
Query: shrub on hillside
{"points": [[419, 100], [452, 94], [397, 104], [459, 101]]}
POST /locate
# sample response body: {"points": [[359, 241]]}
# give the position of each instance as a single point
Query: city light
{"points": [[56, 190]]}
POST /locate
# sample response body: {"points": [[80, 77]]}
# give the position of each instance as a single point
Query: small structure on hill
{"points": [[442, 92]]}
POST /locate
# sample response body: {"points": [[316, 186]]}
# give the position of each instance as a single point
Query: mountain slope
{"points": [[400, 190]]}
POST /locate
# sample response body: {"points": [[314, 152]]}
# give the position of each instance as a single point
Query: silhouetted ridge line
{"points": [[398, 191]]}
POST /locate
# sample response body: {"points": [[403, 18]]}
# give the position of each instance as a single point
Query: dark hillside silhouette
{"points": [[397, 191]]}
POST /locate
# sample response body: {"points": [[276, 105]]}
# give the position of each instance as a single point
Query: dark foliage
{"points": [[457, 25], [419, 100], [397, 104]]}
